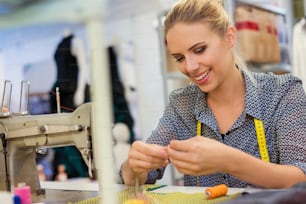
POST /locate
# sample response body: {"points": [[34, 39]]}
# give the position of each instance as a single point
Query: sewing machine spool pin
{"points": [[24, 97], [6, 99]]}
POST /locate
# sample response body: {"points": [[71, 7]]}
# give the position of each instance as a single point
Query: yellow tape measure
{"points": [[199, 132], [199, 128], [261, 139]]}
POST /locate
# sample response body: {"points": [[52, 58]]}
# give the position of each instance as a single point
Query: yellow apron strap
{"points": [[261, 138]]}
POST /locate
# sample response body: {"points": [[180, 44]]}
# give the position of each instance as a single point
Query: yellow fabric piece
{"points": [[95, 200], [164, 198]]}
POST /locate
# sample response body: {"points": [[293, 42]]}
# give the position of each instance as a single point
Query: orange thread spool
{"points": [[216, 191], [135, 201]]}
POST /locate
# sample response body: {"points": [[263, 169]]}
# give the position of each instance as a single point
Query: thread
{"points": [[24, 192], [216, 191], [58, 101]]}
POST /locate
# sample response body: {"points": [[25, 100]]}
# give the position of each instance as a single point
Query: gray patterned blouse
{"points": [[278, 100]]}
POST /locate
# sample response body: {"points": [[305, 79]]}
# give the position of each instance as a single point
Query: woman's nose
{"points": [[191, 63]]}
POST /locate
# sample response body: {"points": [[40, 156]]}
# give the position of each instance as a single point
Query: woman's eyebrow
{"points": [[191, 48], [195, 45]]}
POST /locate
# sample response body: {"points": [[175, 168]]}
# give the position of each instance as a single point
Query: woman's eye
{"points": [[200, 50], [179, 59]]}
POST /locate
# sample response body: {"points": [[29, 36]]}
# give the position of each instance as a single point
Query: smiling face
{"points": [[202, 54]]}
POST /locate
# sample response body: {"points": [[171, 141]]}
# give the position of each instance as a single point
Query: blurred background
{"points": [[142, 73]]}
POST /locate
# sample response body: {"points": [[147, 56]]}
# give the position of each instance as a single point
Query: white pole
{"points": [[102, 118]]}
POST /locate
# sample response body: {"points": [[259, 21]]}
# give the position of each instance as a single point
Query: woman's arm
{"points": [[261, 173]]}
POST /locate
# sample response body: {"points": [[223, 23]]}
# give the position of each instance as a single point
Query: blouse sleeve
{"points": [[291, 127]]}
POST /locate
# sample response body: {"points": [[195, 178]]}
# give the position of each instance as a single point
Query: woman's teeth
{"points": [[202, 76]]}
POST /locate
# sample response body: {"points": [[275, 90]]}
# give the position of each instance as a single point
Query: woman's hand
{"points": [[145, 157], [199, 155]]}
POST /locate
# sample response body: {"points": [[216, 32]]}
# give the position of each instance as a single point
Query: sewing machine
{"points": [[22, 135]]}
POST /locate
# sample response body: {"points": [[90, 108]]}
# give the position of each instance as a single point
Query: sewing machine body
{"points": [[25, 133]]}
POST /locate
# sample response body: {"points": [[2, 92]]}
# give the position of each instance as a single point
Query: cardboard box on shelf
{"points": [[257, 35]]}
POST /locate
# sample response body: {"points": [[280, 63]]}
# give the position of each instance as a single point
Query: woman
{"points": [[223, 105]]}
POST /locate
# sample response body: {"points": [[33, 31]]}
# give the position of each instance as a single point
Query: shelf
{"points": [[267, 7]]}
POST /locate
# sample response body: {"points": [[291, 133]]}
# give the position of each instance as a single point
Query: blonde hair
{"points": [[206, 11], [188, 11]]}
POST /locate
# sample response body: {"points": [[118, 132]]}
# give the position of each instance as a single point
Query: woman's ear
{"points": [[231, 36]]}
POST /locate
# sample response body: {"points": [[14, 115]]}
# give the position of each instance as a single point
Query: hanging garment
{"points": [[121, 112], [67, 76]]}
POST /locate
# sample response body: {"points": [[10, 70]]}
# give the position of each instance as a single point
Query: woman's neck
{"points": [[232, 91]]}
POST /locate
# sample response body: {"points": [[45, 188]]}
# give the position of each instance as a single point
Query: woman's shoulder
{"points": [[186, 96], [189, 91], [269, 79], [184, 101]]}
